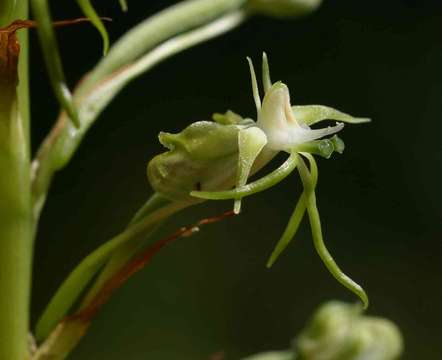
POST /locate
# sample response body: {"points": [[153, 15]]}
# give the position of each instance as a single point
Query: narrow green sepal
{"points": [[123, 5], [255, 90], [312, 114], [266, 79], [91, 14], [289, 232], [52, 59], [297, 215]]}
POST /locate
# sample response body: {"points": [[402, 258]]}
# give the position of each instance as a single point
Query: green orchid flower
{"points": [[206, 159], [339, 331]]}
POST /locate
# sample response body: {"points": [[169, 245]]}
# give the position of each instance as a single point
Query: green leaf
{"points": [[295, 219]]}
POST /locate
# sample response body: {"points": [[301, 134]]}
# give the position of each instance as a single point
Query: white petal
{"points": [[283, 129], [272, 118], [302, 135]]}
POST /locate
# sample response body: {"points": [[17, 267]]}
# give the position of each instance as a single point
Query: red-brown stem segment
{"points": [[70, 331], [28, 24], [138, 263]]}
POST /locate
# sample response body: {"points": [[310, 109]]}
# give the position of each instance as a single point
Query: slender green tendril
{"points": [[255, 89], [266, 80], [92, 15], [296, 218], [315, 224], [52, 58], [123, 5], [254, 187]]}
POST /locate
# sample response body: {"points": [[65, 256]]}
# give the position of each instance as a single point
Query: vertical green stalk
{"points": [[6, 8], [15, 199]]}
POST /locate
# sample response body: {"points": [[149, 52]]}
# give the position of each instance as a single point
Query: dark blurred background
{"points": [[380, 200]]}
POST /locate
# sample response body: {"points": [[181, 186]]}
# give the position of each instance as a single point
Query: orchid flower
{"points": [[283, 127]]}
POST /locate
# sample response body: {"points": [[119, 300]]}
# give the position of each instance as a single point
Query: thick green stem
{"points": [[15, 201], [15, 237]]}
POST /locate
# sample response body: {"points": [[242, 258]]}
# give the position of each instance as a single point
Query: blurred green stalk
{"points": [[16, 228]]}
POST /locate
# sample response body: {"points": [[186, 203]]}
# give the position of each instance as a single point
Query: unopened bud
{"points": [[203, 156], [340, 331]]}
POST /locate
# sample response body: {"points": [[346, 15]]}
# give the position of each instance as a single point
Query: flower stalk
{"points": [[16, 227]]}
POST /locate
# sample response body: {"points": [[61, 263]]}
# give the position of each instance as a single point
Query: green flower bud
{"points": [[284, 8], [339, 331], [203, 156]]}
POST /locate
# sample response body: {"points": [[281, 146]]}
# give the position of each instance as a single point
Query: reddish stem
{"points": [[135, 265], [27, 24]]}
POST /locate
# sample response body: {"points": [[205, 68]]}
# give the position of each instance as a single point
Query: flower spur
{"points": [[281, 127]]}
